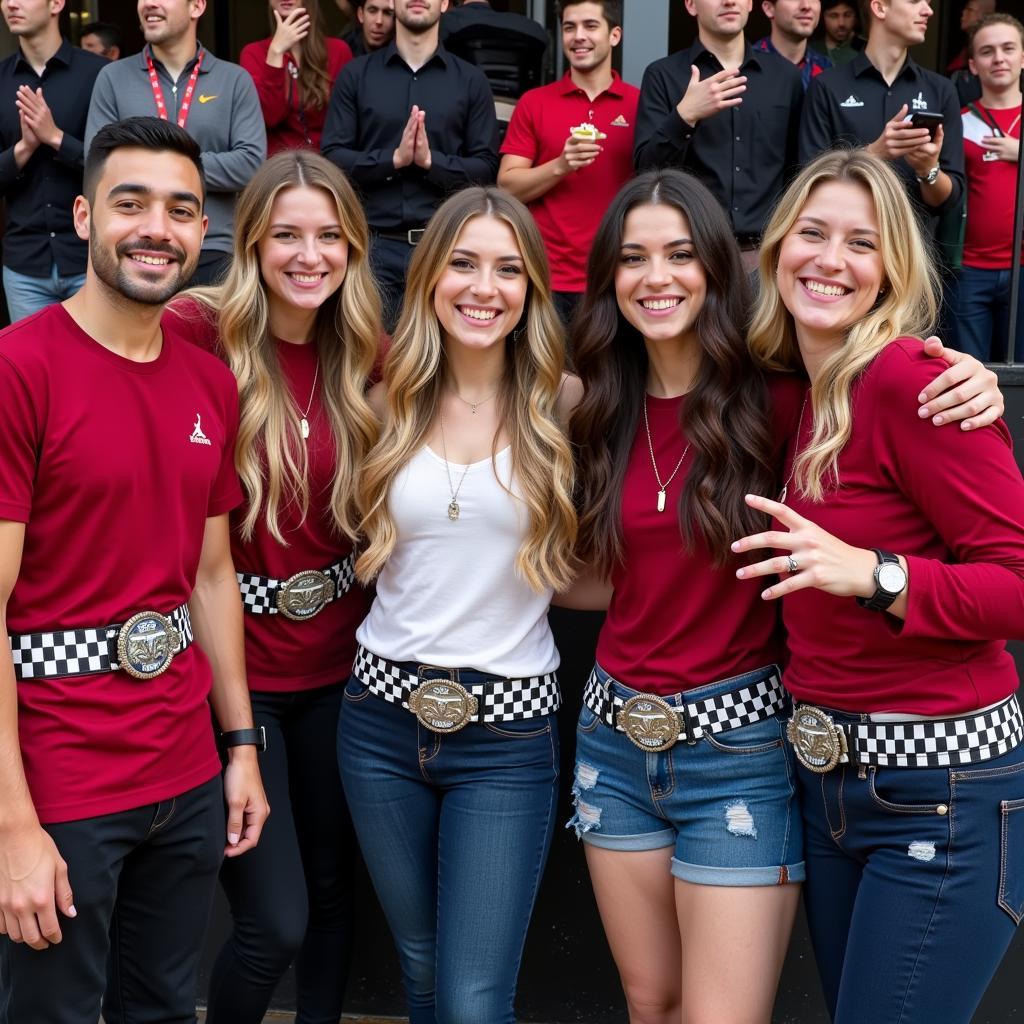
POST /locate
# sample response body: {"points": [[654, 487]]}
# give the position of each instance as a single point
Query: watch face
{"points": [[891, 578]]}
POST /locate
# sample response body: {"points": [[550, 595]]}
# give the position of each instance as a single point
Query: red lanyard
{"points": [[158, 93]]}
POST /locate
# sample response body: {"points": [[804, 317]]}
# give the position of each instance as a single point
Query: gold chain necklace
{"points": [[304, 422], [799, 431], [654, 465]]}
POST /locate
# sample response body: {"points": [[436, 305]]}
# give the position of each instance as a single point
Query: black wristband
{"points": [[245, 737]]}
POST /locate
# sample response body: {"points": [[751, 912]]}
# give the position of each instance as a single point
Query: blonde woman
{"points": [[294, 71], [902, 571], [297, 321], [447, 740]]}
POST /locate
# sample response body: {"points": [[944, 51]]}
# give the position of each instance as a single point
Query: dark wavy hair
{"points": [[726, 414]]}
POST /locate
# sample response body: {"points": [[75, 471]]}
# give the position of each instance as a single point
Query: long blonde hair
{"points": [[415, 374], [907, 303], [270, 455]]}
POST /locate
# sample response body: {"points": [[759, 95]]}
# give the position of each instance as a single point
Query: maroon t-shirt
{"points": [[114, 466], [952, 502], [282, 655], [677, 620]]}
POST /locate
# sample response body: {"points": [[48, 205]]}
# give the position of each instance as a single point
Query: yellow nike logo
{"points": [[206, 99]]}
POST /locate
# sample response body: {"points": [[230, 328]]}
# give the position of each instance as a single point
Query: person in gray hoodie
{"points": [[175, 77]]}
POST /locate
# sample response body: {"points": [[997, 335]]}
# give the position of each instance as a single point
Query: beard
{"points": [[418, 23], [132, 282]]}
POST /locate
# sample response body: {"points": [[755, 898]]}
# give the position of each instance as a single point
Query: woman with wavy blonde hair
{"points": [[298, 322], [447, 740], [902, 572]]}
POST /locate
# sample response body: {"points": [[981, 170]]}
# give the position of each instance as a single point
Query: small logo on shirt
{"points": [[852, 101], [620, 122], [198, 437], [203, 98], [989, 156], [919, 102]]}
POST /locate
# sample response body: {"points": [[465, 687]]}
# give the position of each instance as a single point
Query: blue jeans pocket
{"points": [[756, 738], [356, 690], [910, 790], [520, 728], [1011, 853], [587, 721]]}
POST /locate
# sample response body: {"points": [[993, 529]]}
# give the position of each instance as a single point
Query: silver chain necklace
{"points": [[792, 469], [473, 406], [304, 422], [654, 465], [453, 505]]}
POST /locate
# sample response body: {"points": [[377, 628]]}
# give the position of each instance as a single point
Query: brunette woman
{"points": [[294, 71], [684, 787], [903, 573], [447, 740], [297, 320]]}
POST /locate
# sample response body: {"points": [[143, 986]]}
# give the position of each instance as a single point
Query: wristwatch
{"points": [[245, 737], [890, 582], [931, 177]]}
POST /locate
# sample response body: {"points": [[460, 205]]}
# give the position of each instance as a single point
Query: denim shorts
{"points": [[727, 804]]}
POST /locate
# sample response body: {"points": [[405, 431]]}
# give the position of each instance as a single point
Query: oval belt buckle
{"points": [[147, 644], [442, 705], [817, 741], [304, 595], [651, 723]]}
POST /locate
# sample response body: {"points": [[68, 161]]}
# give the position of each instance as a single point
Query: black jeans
{"points": [[143, 881], [291, 897], [389, 260]]}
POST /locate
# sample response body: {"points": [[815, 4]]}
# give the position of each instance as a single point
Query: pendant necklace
{"points": [[304, 422], [799, 431], [473, 406], [453, 505], [662, 487]]}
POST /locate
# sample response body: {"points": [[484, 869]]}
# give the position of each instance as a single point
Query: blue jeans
{"points": [[915, 885], [27, 295], [455, 831], [983, 308], [726, 804]]}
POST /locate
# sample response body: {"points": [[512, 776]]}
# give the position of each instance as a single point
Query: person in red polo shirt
{"points": [[120, 619], [566, 181]]}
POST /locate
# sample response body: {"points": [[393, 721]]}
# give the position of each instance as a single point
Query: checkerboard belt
{"points": [[79, 652], [745, 705], [500, 700], [938, 743], [259, 593]]}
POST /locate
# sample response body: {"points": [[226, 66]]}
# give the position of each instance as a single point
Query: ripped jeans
{"points": [[915, 885], [727, 803]]}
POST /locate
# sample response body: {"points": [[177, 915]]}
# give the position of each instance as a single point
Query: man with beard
{"points": [[214, 100], [120, 616], [793, 23], [409, 124]]}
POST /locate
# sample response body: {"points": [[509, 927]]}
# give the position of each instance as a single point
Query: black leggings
{"points": [[291, 897]]}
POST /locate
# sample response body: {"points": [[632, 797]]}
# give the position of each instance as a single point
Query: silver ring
{"points": [[792, 563]]}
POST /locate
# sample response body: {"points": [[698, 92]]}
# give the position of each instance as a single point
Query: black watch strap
{"points": [[245, 737], [881, 599]]}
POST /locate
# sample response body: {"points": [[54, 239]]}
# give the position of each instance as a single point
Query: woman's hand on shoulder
{"points": [[570, 392], [967, 392]]}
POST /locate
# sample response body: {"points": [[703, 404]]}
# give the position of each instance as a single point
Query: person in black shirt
{"points": [[409, 124], [725, 113], [44, 100], [374, 28]]}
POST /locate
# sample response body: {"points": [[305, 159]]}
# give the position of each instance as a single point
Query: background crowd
{"points": [[409, 125]]}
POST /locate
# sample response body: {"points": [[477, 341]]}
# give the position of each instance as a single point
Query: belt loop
{"points": [[684, 712]]}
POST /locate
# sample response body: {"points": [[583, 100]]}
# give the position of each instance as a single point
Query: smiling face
{"points": [[164, 22], [587, 38], [904, 21], [480, 295], [145, 224], [997, 57], [840, 22], [795, 19], [303, 255], [830, 269], [660, 285], [721, 19]]}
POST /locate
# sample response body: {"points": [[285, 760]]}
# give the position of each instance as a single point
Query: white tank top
{"points": [[449, 595]]}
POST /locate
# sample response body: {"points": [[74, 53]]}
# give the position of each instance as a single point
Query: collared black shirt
{"points": [[39, 197], [743, 154], [368, 112], [850, 104]]}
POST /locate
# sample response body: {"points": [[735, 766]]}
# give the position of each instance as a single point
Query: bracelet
{"points": [[245, 737]]}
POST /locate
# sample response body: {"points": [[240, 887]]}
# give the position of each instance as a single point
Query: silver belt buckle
{"points": [[649, 722], [147, 644], [415, 235], [304, 595], [818, 742], [442, 705]]}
